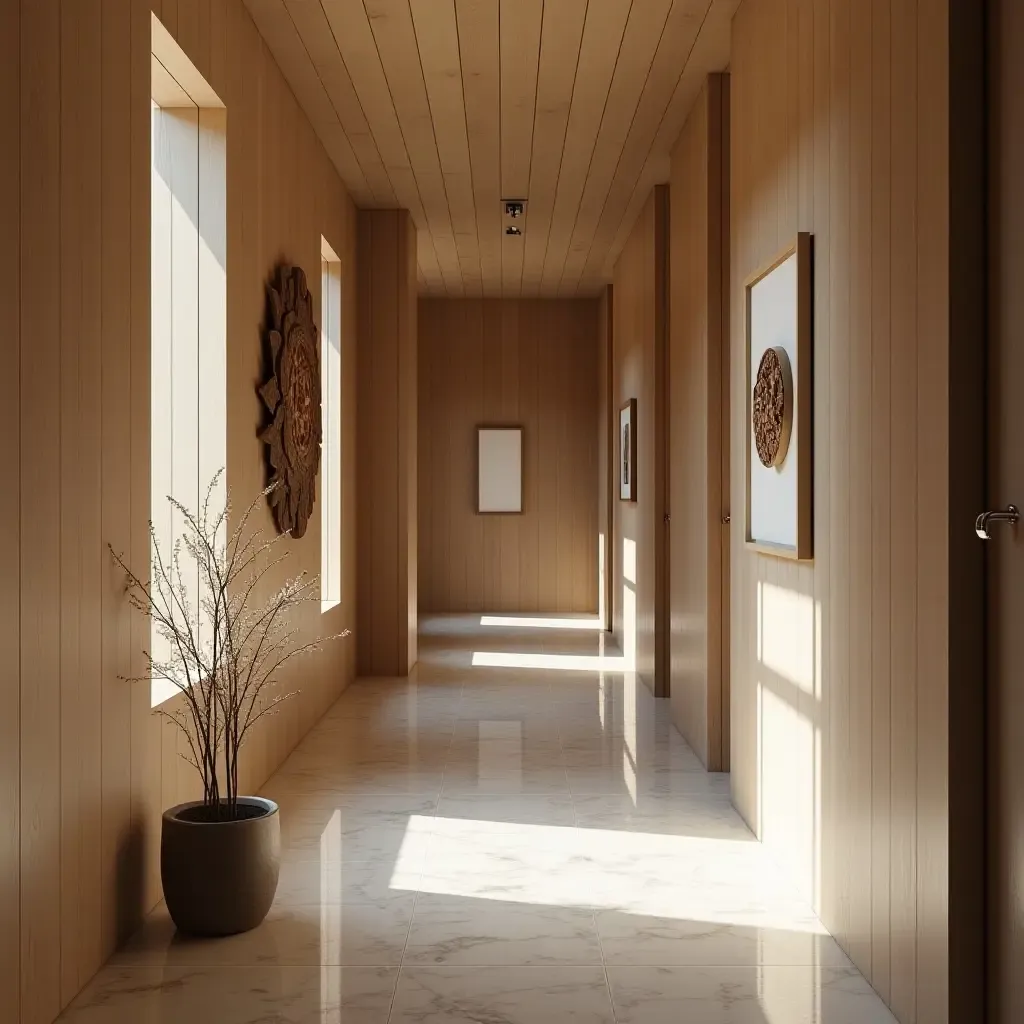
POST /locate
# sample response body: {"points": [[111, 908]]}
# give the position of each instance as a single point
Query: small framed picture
{"points": [[499, 470], [627, 451]]}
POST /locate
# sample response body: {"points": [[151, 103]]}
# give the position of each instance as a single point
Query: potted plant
{"points": [[222, 648]]}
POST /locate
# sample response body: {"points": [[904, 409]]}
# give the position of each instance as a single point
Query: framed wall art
{"points": [[627, 451], [499, 470], [779, 387]]}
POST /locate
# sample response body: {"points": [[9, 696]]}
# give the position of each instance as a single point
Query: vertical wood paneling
{"points": [[880, 491], [40, 480], [860, 475], [903, 494], [531, 322], [839, 285], [408, 430], [70, 458], [490, 408], [145, 764], [90, 948], [115, 362], [840, 127], [10, 523], [85, 767], [529, 362]]}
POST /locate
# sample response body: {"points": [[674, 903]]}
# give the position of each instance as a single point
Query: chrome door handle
{"points": [[981, 524]]}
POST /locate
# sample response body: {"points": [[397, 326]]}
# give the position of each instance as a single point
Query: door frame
{"points": [[967, 812]]}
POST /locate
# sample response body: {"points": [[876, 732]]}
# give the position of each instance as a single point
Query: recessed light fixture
{"points": [[514, 208], [513, 230]]}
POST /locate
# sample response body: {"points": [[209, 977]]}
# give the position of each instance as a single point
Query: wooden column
{"points": [[386, 463]]}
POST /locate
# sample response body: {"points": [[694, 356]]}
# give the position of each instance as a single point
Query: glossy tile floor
{"points": [[516, 835]]}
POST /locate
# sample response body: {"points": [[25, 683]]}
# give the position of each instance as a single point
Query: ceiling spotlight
{"points": [[513, 231], [515, 208]]}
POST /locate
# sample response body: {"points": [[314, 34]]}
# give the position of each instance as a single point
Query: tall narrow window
{"points": [[330, 377], [188, 383]]}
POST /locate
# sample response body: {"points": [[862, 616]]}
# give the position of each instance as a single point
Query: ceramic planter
{"points": [[220, 877]]}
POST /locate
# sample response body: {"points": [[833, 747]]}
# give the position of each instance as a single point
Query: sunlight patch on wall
{"points": [[629, 560], [629, 628], [785, 634]]}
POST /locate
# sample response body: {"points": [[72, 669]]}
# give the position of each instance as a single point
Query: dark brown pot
{"points": [[220, 877]]}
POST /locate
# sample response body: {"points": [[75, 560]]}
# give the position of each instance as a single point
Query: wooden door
{"points": [[1005, 550]]}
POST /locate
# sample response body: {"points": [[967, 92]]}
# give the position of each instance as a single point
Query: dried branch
{"points": [[223, 650]]}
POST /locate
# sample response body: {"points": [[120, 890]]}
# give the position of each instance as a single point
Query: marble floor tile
{"points": [[496, 779], [501, 813], [744, 995], [502, 995], [304, 882], [628, 778], [354, 810], [325, 843], [472, 932], [383, 779], [317, 935], [779, 937], [236, 995]]}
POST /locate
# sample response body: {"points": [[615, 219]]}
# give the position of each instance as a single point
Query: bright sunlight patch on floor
{"points": [[542, 622], [595, 869], [565, 662]]}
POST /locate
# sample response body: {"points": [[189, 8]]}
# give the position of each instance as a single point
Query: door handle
{"points": [[981, 524]]}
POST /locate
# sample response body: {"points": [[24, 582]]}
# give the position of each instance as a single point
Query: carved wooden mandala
{"points": [[771, 408], [292, 397]]}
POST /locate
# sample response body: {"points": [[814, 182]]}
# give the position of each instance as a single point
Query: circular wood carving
{"points": [[772, 407], [292, 397]]}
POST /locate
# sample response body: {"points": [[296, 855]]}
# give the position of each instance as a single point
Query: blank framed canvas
{"points": [[499, 470]]}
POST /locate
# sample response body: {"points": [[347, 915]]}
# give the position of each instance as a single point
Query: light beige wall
{"points": [[85, 766], [638, 346], [387, 475], [841, 671], [531, 362], [698, 450]]}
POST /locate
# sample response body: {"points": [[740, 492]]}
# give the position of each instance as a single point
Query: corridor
{"points": [[515, 835]]}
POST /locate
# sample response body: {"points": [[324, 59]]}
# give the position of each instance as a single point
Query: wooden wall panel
{"points": [[40, 512], [695, 426], [839, 740], [638, 343], [531, 362], [86, 768], [386, 466], [10, 523]]}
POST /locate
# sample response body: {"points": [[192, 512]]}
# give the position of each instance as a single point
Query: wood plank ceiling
{"points": [[445, 107]]}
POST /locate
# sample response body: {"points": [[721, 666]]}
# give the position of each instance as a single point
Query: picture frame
{"points": [[779, 376], [627, 451], [499, 477]]}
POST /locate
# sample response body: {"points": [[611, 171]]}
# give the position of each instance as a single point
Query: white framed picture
{"points": [[627, 451], [499, 470], [779, 515]]}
